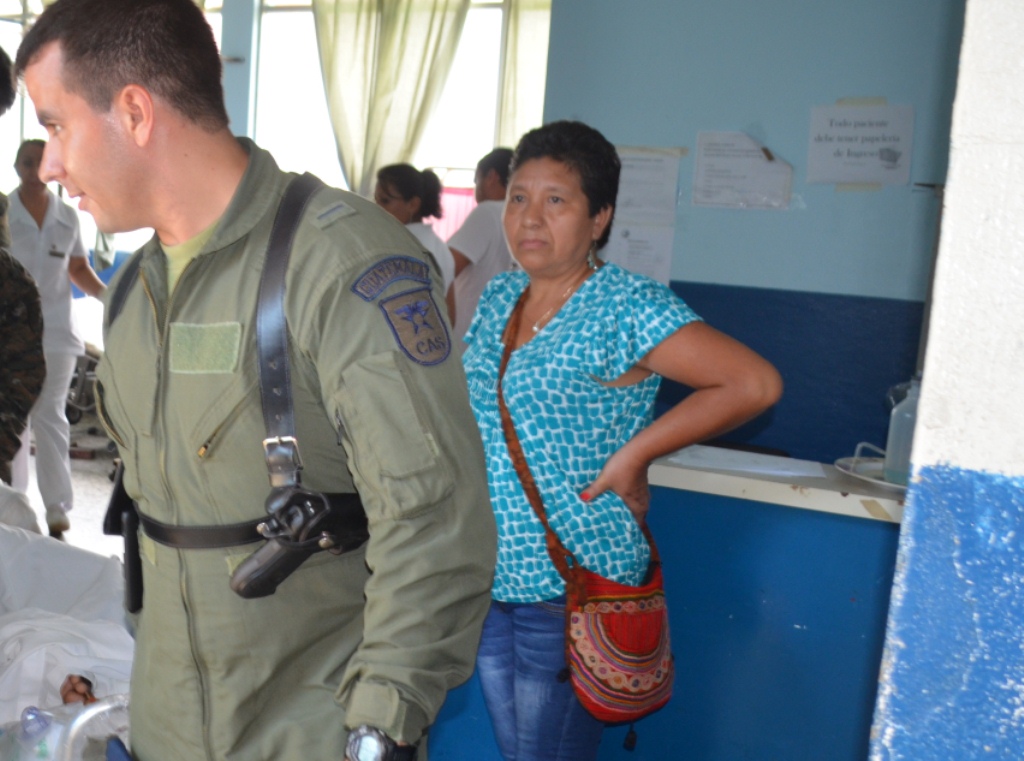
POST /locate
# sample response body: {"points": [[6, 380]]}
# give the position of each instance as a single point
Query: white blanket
{"points": [[60, 613], [16, 510]]}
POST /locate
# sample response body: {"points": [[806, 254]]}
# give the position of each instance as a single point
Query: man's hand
{"points": [[77, 689]]}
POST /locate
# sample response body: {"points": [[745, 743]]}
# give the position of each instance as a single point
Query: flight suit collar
{"points": [[255, 198]]}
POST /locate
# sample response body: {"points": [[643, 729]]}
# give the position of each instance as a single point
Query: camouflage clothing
{"points": [[22, 367]]}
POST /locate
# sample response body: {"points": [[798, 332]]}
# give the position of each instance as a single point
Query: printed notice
{"points": [[641, 248], [735, 171], [645, 216], [854, 144]]}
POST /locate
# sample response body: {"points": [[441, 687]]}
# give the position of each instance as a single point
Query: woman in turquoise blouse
{"points": [[592, 344]]}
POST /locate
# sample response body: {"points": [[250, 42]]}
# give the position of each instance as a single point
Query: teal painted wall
{"points": [[657, 72]]}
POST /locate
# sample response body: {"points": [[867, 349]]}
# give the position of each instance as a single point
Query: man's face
{"points": [[86, 152], [480, 186], [27, 164]]}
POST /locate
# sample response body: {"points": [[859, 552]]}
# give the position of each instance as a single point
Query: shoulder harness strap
{"points": [[280, 447]]}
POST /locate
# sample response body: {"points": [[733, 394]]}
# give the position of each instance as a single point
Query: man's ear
{"points": [[133, 106]]}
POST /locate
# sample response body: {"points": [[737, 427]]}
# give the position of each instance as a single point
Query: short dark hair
{"points": [[498, 160], [165, 46], [409, 182], [26, 143], [585, 151], [8, 90]]}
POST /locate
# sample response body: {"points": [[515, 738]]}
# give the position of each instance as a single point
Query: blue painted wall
{"points": [[956, 685], [833, 289], [777, 617], [838, 355], [660, 71]]}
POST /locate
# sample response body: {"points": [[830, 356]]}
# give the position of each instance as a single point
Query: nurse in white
{"points": [[46, 239]]}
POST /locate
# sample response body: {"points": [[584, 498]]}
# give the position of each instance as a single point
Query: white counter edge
{"points": [[836, 493]]}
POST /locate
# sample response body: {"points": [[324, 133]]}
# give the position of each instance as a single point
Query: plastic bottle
{"points": [[38, 734], [901, 436]]}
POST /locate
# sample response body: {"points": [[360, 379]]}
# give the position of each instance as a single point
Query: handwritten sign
{"points": [[861, 144]]}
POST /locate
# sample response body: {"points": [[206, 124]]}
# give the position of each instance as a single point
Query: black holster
{"points": [[305, 523], [122, 518]]}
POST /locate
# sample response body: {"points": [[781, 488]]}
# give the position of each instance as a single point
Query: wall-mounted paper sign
{"points": [[647, 185], [642, 248], [645, 214], [735, 171], [861, 144]]}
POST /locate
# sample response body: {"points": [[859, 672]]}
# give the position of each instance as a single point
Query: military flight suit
{"points": [[22, 365], [374, 636]]}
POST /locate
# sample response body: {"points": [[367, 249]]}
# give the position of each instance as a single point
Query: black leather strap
{"points": [[128, 278], [201, 537], [346, 521], [280, 447]]}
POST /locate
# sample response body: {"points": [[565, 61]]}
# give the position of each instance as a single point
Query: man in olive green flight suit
{"points": [[373, 638]]}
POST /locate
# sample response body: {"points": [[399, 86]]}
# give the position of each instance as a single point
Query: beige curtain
{"points": [[521, 101], [384, 63]]}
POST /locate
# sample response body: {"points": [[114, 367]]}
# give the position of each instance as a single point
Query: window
{"points": [[291, 110], [291, 118]]}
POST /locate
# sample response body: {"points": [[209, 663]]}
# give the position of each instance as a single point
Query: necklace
{"points": [[543, 319]]}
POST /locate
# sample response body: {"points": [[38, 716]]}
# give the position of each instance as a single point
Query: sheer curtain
{"points": [[384, 63], [521, 99]]}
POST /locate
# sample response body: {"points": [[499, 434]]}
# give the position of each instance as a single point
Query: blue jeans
{"points": [[535, 715]]}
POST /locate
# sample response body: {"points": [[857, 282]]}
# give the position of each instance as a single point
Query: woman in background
{"points": [[411, 196], [588, 344]]}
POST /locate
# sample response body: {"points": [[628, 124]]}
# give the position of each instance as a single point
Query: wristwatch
{"points": [[366, 743]]}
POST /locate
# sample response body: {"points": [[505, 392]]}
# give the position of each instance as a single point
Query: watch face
{"points": [[367, 744]]}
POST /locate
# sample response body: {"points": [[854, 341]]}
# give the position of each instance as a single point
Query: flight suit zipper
{"points": [[158, 425], [204, 449]]}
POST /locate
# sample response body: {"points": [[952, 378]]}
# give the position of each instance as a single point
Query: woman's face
{"points": [[393, 203], [547, 219]]}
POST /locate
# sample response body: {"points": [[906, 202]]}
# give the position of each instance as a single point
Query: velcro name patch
{"points": [[203, 349]]}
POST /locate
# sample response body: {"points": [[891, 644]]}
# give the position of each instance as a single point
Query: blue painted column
{"points": [[952, 684], [240, 35]]}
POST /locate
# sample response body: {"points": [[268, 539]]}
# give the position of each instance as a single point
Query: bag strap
{"points": [[560, 556], [280, 448], [558, 552]]}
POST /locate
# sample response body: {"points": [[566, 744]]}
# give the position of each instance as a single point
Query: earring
{"points": [[592, 256]]}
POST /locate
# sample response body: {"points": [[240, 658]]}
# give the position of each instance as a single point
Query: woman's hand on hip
{"points": [[627, 477]]}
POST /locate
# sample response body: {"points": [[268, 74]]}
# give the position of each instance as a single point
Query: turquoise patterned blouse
{"points": [[568, 422]]}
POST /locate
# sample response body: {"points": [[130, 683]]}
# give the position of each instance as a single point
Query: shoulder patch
{"points": [[420, 330], [335, 211], [371, 283]]}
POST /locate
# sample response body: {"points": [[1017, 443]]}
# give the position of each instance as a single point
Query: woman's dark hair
{"points": [[165, 46], [409, 182], [585, 151]]}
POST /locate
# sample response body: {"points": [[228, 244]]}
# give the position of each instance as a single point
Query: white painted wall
{"points": [[972, 403]]}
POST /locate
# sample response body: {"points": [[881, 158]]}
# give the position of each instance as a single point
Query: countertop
{"points": [[777, 480]]}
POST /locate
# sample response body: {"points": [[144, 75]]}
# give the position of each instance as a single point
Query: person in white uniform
{"points": [[479, 246], [47, 240], [410, 196]]}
